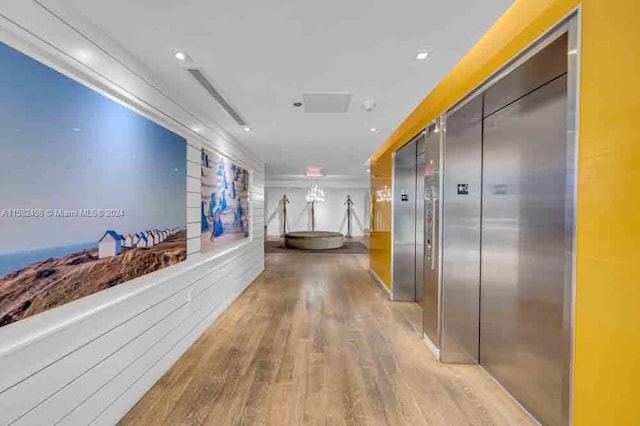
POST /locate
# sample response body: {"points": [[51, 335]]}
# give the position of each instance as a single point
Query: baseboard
{"points": [[380, 283], [432, 347]]}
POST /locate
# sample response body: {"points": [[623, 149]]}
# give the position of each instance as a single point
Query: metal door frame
{"points": [[440, 124], [571, 24]]}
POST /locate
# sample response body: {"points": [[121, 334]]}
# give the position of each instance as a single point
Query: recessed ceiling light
{"points": [[181, 56], [247, 128], [423, 55], [85, 55], [373, 130]]}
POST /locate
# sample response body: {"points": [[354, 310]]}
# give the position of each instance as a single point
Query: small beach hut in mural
{"points": [[129, 241], [151, 241], [109, 245], [143, 242]]}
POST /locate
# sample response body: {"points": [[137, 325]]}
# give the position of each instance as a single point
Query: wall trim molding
{"points": [[380, 283], [432, 347]]}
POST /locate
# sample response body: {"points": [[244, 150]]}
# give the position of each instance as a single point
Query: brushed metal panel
{"points": [[523, 249], [573, 77], [429, 175], [549, 63], [461, 235], [420, 222], [404, 223]]}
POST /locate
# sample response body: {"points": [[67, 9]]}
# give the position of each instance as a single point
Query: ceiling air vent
{"points": [[204, 82], [326, 102]]}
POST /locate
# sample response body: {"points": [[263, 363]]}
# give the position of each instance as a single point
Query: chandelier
{"points": [[315, 194], [383, 195]]}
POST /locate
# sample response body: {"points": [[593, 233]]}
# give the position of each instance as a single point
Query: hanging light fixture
{"points": [[315, 194], [383, 195]]}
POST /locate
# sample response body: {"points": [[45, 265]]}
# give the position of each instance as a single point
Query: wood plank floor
{"points": [[314, 342]]}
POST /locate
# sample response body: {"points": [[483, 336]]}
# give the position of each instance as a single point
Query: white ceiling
{"points": [[263, 55]]}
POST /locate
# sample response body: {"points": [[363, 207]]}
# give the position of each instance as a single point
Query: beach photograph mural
{"points": [[225, 202], [92, 194]]}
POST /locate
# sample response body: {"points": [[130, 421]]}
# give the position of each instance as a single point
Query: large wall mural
{"points": [[92, 194], [225, 202]]}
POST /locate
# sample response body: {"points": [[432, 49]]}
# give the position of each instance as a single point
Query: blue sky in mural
{"points": [[65, 146]]}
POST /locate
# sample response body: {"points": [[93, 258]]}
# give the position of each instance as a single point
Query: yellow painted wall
{"points": [[380, 230], [607, 335]]}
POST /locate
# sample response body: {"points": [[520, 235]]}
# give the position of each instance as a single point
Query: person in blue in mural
{"points": [[204, 223], [213, 204], [214, 214], [238, 222], [223, 200], [223, 175]]}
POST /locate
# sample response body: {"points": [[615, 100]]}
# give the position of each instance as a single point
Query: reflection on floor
{"points": [[314, 341]]}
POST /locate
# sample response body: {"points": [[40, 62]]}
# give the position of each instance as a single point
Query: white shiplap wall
{"points": [[90, 361]]}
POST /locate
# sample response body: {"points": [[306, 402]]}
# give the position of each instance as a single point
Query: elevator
{"points": [[508, 198], [416, 226], [483, 226]]}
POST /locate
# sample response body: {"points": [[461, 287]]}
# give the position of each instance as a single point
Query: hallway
{"points": [[314, 341]]}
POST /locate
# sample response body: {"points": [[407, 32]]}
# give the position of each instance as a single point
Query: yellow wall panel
{"points": [[607, 334], [380, 234]]}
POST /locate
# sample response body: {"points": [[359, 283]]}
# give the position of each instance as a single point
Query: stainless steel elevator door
{"points": [[404, 223], [523, 249], [429, 175], [461, 199]]}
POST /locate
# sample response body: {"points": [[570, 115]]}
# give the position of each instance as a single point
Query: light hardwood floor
{"points": [[314, 341]]}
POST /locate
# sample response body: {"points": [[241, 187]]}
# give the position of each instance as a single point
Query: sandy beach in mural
{"points": [[44, 285]]}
